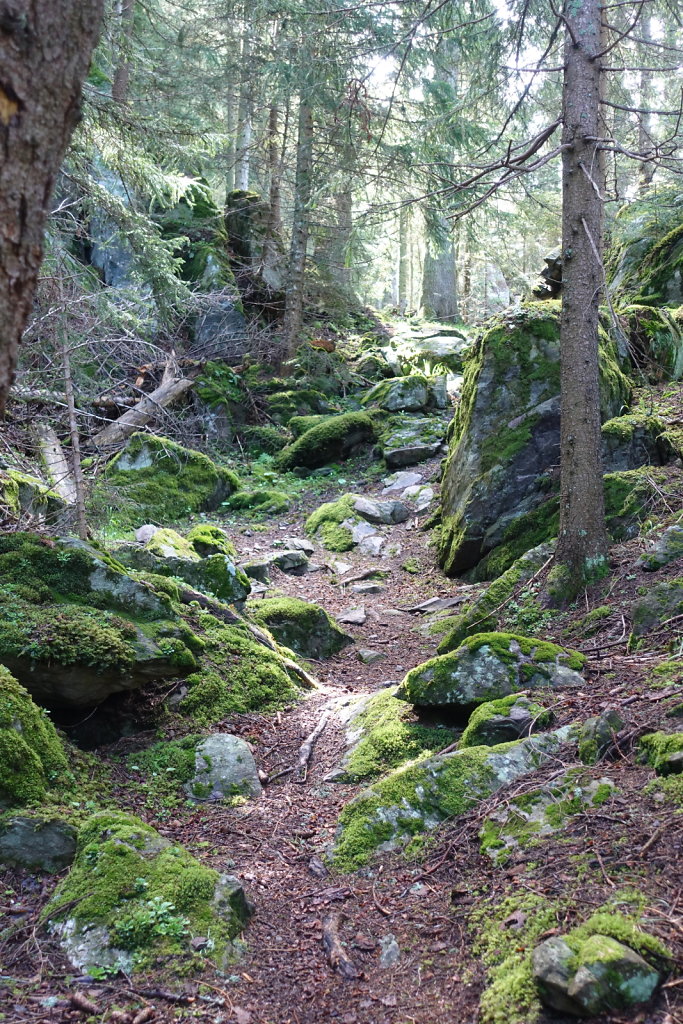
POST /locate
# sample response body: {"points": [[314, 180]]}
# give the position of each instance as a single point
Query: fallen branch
{"points": [[336, 954], [306, 748], [146, 409], [56, 464]]}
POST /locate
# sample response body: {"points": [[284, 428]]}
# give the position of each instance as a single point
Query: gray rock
{"points": [[629, 442], [353, 616], [359, 531], [299, 544], [672, 764], [421, 495], [224, 767], [597, 734], [367, 588], [418, 438], [391, 951], [368, 657], [341, 568], [610, 976], [37, 842], [662, 602], [145, 533], [521, 719], [371, 546], [400, 394], [303, 626], [294, 562], [257, 570], [666, 549], [386, 512], [399, 481]]}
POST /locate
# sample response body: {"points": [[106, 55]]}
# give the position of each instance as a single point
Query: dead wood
{"points": [[306, 748], [53, 455], [146, 409], [336, 954]]}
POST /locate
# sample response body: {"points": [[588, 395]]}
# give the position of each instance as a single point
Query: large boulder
{"points": [[646, 246], [507, 430], [162, 480], [413, 440], [31, 753], [504, 720], [133, 900], [304, 627], [256, 248], [400, 394], [421, 795], [167, 553], [488, 666], [655, 341], [75, 627], [23, 494], [336, 438]]}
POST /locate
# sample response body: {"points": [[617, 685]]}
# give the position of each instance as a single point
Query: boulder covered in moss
{"points": [[266, 500], [283, 406], [662, 602], [224, 768], [23, 494], [382, 733], [75, 627], [419, 796], [504, 720], [211, 540], [333, 522], [489, 666], [413, 440], [31, 753], [133, 901], [598, 734], [400, 394], [667, 548], [38, 841], [605, 965], [337, 438], [664, 751], [167, 553], [304, 627], [507, 430], [157, 479], [629, 442]]}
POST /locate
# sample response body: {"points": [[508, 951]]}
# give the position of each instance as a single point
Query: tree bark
{"points": [[583, 542], [294, 293], [45, 48], [403, 259], [439, 284], [646, 169], [244, 116], [121, 82]]}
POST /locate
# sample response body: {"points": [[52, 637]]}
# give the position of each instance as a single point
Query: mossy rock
{"points": [[667, 548], [332, 523], [31, 753], [382, 733], [265, 500], [629, 442], [420, 795], [482, 615], [489, 666], [400, 394], [133, 901], [304, 627], [41, 840], [504, 720], [507, 430], [23, 494], [285, 405], [238, 674], [211, 540], [662, 602], [161, 480], [167, 553], [337, 438], [269, 440], [664, 751], [298, 425], [645, 260], [655, 341]]}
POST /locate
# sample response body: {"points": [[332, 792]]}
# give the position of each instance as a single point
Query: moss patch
{"points": [[300, 625], [263, 500], [211, 540], [334, 439], [326, 523], [658, 748]]}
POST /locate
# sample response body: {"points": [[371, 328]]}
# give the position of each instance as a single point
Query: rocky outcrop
{"points": [[506, 435], [304, 627]]}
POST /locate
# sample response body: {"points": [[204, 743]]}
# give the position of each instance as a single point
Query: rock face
{"points": [[603, 975], [400, 394], [164, 481], [224, 768], [506, 435], [419, 796], [166, 553], [488, 666], [132, 898], [31, 753], [37, 842], [304, 627], [416, 439], [666, 549], [632, 441]]}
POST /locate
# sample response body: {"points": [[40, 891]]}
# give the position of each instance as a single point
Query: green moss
{"points": [[298, 425], [211, 540], [623, 928], [161, 480], [285, 405], [506, 443], [238, 674], [31, 754], [270, 440], [151, 896], [334, 439], [20, 493], [163, 768], [265, 500], [413, 566], [661, 603], [390, 737], [656, 341], [505, 935], [658, 747], [539, 651], [326, 522], [300, 625], [470, 737]]}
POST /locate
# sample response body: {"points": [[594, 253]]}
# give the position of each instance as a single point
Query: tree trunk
{"points": [[341, 271], [121, 81], [583, 542], [646, 169], [403, 260], [271, 251], [294, 295], [439, 284], [244, 117], [45, 49]]}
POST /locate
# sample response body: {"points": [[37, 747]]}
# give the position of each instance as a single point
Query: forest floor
{"points": [[425, 909]]}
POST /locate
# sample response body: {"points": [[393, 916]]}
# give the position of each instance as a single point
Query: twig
{"points": [[336, 954], [306, 748]]}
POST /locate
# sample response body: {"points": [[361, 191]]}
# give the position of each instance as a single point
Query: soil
{"points": [[276, 845]]}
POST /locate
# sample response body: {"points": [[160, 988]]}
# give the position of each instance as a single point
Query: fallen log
{"points": [[59, 473], [146, 409]]}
